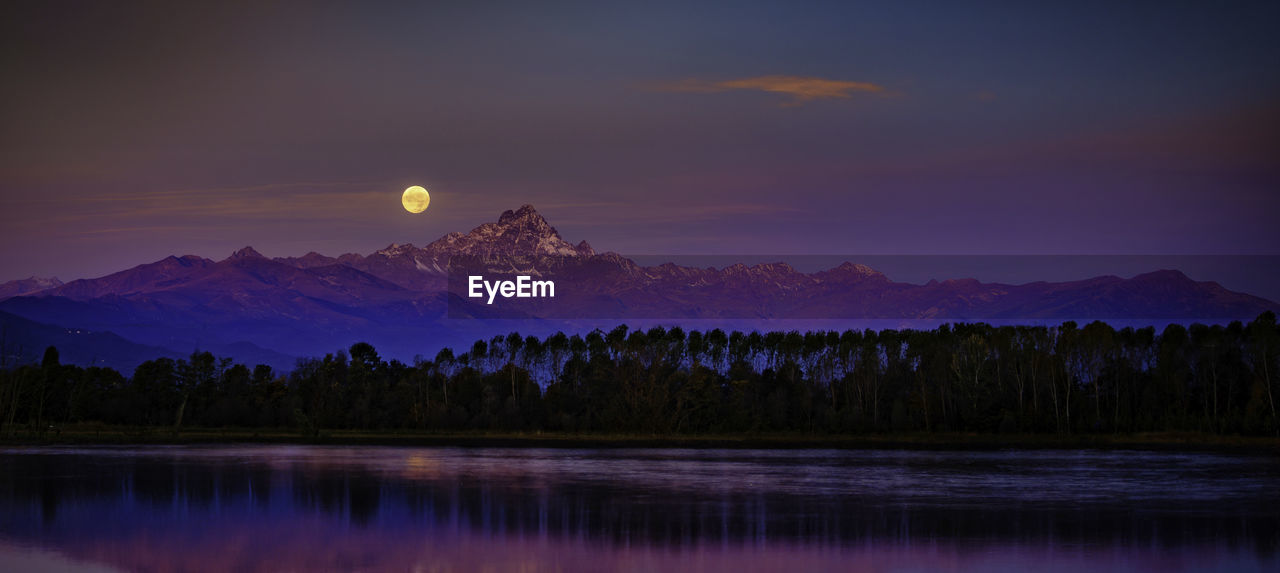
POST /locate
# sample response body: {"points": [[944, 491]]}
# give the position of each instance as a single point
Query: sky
{"points": [[130, 131]]}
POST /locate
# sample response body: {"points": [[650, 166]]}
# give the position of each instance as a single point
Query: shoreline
{"points": [[1166, 441]]}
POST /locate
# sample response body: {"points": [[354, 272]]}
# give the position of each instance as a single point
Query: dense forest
{"points": [[960, 377]]}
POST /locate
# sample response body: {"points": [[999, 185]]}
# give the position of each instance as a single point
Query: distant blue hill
{"points": [[24, 342]]}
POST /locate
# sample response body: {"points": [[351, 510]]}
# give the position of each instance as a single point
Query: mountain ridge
{"points": [[400, 297]]}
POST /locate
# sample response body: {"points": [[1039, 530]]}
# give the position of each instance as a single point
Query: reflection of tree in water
{"points": [[342, 493], [153, 481], [196, 485], [128, 491], [258, 481]]}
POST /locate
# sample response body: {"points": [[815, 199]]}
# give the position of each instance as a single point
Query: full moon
{"points": [[415, 199]]}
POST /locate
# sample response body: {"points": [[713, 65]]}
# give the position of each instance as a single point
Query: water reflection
{"points": [[307, 508]]}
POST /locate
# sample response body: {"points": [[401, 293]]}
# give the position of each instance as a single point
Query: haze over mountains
{"points": [[271, 310]]}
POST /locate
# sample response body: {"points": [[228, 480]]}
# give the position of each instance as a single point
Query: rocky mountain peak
{"points": [[848, 269], [520, 232], [525, 214], [395, 249], [245, 253]]}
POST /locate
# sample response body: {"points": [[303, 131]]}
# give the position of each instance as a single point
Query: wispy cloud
{"points": [[801, 89], [613, 214], [151, 211]]}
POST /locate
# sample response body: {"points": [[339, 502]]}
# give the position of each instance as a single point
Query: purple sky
{"points": [[135, 130]]}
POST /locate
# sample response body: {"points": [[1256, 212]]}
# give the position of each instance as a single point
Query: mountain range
{"points": [[271, 310]]}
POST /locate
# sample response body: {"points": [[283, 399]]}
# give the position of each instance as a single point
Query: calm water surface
{"points": [[309, 508]]}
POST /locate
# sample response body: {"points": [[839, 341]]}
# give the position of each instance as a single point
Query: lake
{"points": [[315, 508]]}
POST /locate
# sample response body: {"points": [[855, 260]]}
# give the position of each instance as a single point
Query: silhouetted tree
{"points": [[961, 377]]}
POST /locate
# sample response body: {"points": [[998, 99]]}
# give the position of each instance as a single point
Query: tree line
{"points": [[958, 377]]}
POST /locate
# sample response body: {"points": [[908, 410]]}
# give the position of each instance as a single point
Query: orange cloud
{"points": [[802, 89]]}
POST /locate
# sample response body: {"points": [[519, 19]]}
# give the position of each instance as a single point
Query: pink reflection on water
{"points": [[425, 509], [317, 544]]}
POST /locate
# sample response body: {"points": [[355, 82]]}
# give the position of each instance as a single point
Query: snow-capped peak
{"points": [[41, 283], [28, 286]]}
